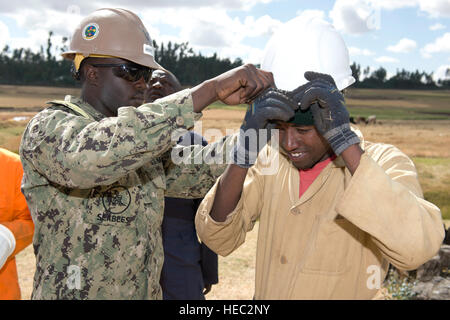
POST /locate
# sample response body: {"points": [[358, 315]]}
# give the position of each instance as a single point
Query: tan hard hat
{"points": [[113, 32]]}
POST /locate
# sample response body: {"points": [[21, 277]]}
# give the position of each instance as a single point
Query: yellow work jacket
{"points": [[335, 241]]}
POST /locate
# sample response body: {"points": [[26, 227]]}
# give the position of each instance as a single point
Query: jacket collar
{"points": [[85, 106], [336, 163], [294, 179]]}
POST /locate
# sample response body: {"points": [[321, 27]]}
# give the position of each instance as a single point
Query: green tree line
{"points": [[25, 67], [403, 79]]}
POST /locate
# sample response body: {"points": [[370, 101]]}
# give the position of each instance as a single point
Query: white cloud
{"points": [[61, 23], [355, 16], [210, 30], [312, 13], [389, 74], [62, 18], [385, 59], [263, 26], [4, 35], [442, 73], [86, 6], [362, 16], [441, 44], [247, 53], [394, 4], [437, 26], [354, 51], [38, 24], [405, 45], [435, 8]]}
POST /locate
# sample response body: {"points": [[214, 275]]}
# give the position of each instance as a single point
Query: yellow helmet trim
{"points": [[80, 57]]}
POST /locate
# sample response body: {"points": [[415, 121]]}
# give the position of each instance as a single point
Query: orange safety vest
{"points": [[14, 215]]}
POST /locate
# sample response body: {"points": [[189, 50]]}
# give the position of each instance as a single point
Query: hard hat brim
{"points": [[144, 61]]}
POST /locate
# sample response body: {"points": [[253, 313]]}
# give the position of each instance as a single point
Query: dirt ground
{"points": [[237, 268], [418, 138]]}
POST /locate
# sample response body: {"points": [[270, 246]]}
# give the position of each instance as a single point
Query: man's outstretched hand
{"points": [[237, 86]]}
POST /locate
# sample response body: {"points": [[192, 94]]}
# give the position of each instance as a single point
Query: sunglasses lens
{"points": [[145, 73], [121, 72], [131, 73]]}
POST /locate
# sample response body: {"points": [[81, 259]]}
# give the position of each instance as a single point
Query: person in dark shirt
{"points": [[190, 268]]}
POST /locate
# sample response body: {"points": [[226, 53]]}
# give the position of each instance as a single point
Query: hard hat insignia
{"points": [[90, 31]]}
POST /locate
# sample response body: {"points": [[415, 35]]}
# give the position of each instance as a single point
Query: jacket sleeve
{"points": [[225, 237], [192, 170], [384, 199], [73, 151], [21, 225]]}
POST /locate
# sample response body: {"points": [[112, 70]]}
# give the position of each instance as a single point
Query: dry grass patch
{"points": [[237, 272], [418, 138], [26, 266], [425, 141], [31, 96], [376, 103]]}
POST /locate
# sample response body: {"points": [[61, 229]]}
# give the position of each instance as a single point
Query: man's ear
{"points": [[91, 75]]}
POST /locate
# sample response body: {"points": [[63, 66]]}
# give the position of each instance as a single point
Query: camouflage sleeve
{"points": [[73, 151], [191, 171]]}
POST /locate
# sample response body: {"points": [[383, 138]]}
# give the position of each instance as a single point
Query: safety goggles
{"points": [[127, 71]]}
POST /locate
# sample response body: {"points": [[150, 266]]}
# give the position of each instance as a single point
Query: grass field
{"points": [[417, 122], [388, 104]]}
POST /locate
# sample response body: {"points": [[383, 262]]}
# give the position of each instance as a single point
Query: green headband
{"points": [[302, 118]]}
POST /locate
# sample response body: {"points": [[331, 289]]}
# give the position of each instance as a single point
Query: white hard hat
{"points": [[307, 44]]}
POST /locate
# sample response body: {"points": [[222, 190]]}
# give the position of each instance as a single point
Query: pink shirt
{"points": [[309, 175]]}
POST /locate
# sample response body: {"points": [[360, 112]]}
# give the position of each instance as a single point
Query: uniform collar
{"points": [[85, 106]]}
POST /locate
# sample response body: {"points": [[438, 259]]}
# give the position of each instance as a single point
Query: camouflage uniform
{"points": [[95, 187]]}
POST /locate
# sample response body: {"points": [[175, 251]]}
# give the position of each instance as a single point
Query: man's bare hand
{"points": [[243, 84], [237, 86]]}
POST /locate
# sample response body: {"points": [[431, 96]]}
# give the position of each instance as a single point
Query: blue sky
{"points": [[395, 34]]}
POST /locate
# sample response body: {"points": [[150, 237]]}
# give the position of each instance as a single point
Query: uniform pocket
{"points": [[330, 250], [114, 205], [153, 196]]}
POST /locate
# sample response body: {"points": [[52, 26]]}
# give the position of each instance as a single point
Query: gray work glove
{"points": [[272, 104], [327, 104]]}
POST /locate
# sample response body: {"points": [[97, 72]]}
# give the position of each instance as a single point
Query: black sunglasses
{"points": [[128, 72]]}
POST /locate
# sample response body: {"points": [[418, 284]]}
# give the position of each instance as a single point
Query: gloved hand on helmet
{"points": [[327, 104], [272, 104], [7, 244]]}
